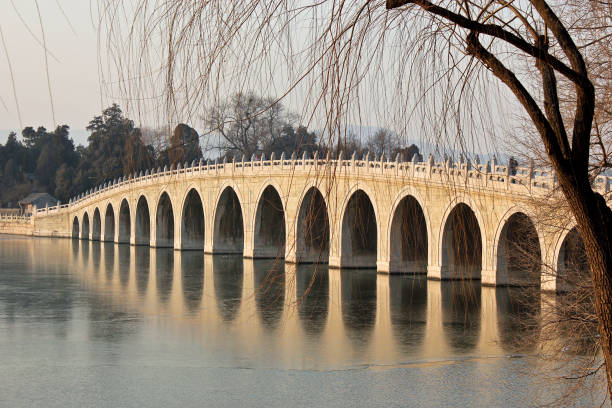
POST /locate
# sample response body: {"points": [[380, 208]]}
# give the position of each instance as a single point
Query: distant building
{"points": [[36, 200]]}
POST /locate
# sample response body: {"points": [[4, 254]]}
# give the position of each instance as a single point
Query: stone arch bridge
{"points": [[449, 220]]}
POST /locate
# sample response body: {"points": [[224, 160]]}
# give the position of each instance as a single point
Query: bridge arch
{"points": [[409, 233], [461, 251], [85, 226], [125, 223], [96, 230], [142, 230], [228, 227], [359, 232], [164, 222], [570, 260], [269, 223], [517, 249], [313, 228], [109, 223], [192, 220], [75, 227]]}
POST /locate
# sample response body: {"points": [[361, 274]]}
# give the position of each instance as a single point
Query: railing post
{"points": [[508, 176], [397, 163]]}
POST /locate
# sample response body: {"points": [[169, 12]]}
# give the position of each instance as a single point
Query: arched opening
{"points": [[75, 228], [125, 223], [143, 223], [96, 231], [269, 226], [164, 223], [461, 245], [359, 235], [192, 222], [109, 224], [518, 253], [408, 243], [313, 229], [228, 235], [85, 227], [572, 263]]}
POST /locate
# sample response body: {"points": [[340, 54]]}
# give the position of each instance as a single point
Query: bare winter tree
{"points": [[383, 142], [245, 123], [445, 63], [539, 34]]}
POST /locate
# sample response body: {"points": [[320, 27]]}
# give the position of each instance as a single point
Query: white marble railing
{"points": [[523, 180], [14, 218]]}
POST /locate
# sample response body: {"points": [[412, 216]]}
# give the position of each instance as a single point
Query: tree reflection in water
{"points": [[408, 302], [518, 311], [192, 277], [312, 285], [142, 256], [269, 280], [164, 272], [358, 288], [227, 277], [85, 251], [461, 314], [123, 252], [96, 256], [109, 260]]}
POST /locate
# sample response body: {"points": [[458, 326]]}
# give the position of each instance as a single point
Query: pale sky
{"points": [[71, 36], [73, 72]]}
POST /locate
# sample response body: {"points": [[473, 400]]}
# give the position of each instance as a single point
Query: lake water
{"points": [[94, 324]]}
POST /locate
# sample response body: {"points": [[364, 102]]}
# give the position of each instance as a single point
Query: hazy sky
{"points": [[72, 62], [71, 37]]}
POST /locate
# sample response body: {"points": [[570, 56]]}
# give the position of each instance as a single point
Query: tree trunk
{"points": [[594, 222]]}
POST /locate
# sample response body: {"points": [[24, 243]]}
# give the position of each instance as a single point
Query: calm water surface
{"points": [[91, 324]]}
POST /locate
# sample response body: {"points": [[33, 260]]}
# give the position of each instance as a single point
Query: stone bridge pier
{"points": [[449, 221]]}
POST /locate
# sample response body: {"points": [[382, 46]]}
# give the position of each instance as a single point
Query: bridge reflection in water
{"points": [[299, 316]]}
